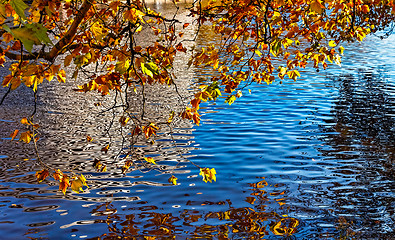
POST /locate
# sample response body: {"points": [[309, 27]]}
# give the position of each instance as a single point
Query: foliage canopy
{"points": [[259, 41]]}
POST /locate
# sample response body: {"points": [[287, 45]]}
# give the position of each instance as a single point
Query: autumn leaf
{"points": [[41, 175], [105, 149], [25, 121], [124, 120], [172, 180], [64, 184], [208, 174], [150, 160], [58, 175], [126, 166], [332, 43], [78, 183], [171, 116], [97, 164], [89, 138], [150, 130], [26, 137], [13, 135], [316, 6]]}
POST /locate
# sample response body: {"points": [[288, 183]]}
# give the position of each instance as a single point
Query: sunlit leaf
{"points": [[171, 116], [105, 149], [42, 175], [172, 180], [150, 160], [124, 120], [332, 43], [64, 184], [208, 174], [89, 138], [26, 137], [316, 6], [25, 121], [58, 175], [13, 135]]}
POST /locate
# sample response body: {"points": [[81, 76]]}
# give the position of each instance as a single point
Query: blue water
{"points": [[318, 152]]}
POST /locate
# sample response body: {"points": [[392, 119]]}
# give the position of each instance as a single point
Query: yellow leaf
{"points": [[105, 149], [341, 50], [98, 32], [26, 137], [150, 160], [208, 174], [25, 121], [124, 120], [332, 43], [76, 185], [173, 180], [171, 117]]}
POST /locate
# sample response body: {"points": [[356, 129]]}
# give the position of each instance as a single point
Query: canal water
{"points": [[311, 159]]}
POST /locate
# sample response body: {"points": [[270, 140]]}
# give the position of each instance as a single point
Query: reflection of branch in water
{"points": [[252, 222]]}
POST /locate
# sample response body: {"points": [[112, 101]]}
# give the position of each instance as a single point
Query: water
{"points": [[312, 159]]}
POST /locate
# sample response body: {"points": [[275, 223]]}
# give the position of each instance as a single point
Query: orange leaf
{"points": [[25, 121], [13, 135], [26, 137], [124, 120], [105, 149], [89, 138], [64, 184], [41, 175], [58, 175], [316, 6]]}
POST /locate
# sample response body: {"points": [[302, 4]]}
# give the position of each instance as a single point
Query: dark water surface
{"points": [[312, 159]]}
